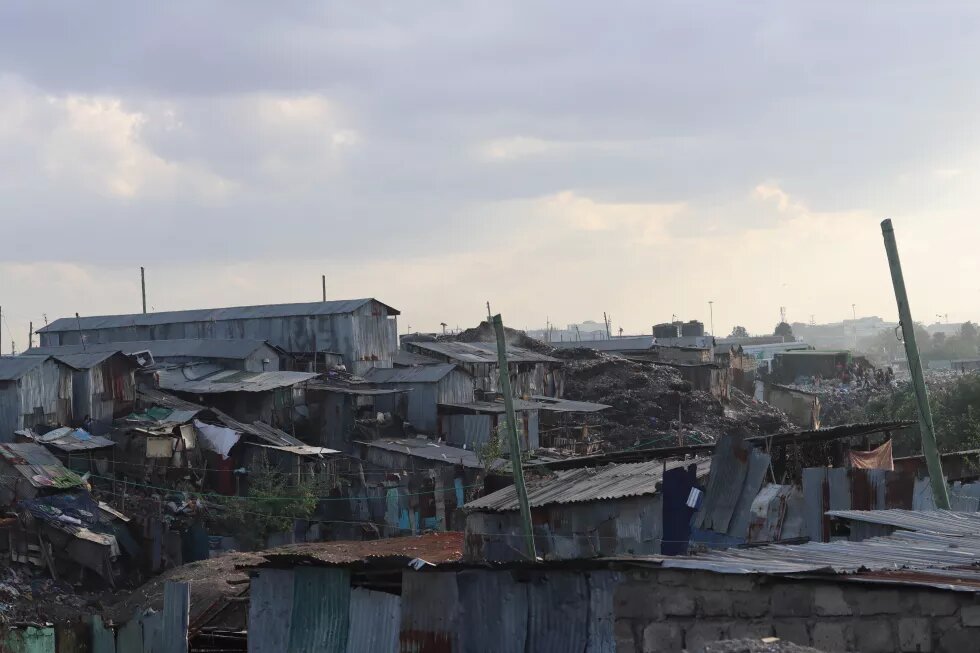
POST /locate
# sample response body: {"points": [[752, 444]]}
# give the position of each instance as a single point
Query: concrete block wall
{"points": [[671, 610]]}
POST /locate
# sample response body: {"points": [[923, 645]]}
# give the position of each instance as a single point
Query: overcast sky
{"points": [[557, 159]]}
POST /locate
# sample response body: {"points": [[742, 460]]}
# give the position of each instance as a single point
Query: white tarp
{"points": [[217, 438]]}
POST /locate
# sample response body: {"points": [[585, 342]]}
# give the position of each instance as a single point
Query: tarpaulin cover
{"points": [[217, 438], [880, 458]]}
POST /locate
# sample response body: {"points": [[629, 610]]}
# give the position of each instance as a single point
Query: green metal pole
{"points": [[515, 443], [928, 431]]}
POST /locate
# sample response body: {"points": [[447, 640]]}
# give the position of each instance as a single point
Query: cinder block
{"points": [[792, 630], [792, 600], [830, 636], [750, 605], [914, 635], [716, 604], [679, 603], [662, 636], [750, 630], [938, 604], [828, 601], [958, 640], [703, 633], [970, 615], [874, 636], [637, 601], [871, 602]]}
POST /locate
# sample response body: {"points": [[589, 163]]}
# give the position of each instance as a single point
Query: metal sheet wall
{"points": [[176, 617], [558, 613], [366, 334], [48, 387], [321, 611], [375, 619], [494, 612], [270, 610], [430, 605]]}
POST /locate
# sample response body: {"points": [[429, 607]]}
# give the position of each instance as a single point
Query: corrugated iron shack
{"points": [[531, 373], [422, 388], [103, 387], [362, 331], [803, 408], [34, 391], [77, 449], [238, 354], [577, 513], [471, 425], [788, 366], [426, 481], [277, 398]]}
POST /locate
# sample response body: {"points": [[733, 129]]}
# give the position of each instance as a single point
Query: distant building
{"points": [[34, 391], [362, 333]]}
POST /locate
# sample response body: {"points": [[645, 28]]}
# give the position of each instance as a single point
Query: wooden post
{"points": [[515, 443]]}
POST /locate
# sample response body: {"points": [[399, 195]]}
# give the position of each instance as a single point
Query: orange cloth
{"points": [[880, 458]]}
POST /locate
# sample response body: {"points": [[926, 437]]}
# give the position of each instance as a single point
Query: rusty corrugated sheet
{"points": [[103, 637], [846, 489], [729, 466], [375, 619], [430, 602], [176, 617], [321, 611]]}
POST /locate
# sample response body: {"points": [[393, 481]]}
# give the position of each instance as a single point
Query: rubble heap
{"points": [[484, 333], [653, 406]]}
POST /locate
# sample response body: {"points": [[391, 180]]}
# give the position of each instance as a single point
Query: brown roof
{"points": [[437, 548]]}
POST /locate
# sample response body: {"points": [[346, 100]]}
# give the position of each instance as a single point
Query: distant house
{"points": [[531, 373], [424, 388], [233, 354], [361, 332], [103, 386], [34, 391]]}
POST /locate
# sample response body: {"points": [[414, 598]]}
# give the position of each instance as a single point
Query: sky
{"points": [[559, 160]]}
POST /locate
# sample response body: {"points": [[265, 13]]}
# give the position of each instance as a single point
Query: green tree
{"points": [[785, 330], [740, 332]]}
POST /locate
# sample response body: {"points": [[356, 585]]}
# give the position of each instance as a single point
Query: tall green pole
{"points": [[928, 431], [515, 443]]}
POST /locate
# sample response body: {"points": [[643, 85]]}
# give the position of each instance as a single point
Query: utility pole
{"points": [[711, 313], [143, 285], [929, 449], [81, 337], [515, 443], [605, 320], [323, 278], [854, 312], [30, 334], [443, 325]]}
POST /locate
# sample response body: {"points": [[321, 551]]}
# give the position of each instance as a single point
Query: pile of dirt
{"points": [[652, 406], [30, 595], [484, 333]]}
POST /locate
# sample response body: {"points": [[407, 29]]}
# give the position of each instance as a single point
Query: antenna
{"points": [[81, 338]]}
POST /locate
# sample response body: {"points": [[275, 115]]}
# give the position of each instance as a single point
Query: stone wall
{"points": [[670, 610]]}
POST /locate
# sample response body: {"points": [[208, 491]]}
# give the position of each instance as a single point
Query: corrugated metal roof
{"points": [[404, 358], [586, 484], [932, 521], [271, 437], [184, 347], [14, 367], [423, 448], [334, 307], [419, 374], [69, 439], [231, 381], [166, 400], [628, 343], [481, 352], [38, 465], [86, 360], [567, 405], [520, 405], [901, 551]]}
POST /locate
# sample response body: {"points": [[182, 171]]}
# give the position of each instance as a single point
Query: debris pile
{"points": [[652, 405], [484, 333], [765, 645]]}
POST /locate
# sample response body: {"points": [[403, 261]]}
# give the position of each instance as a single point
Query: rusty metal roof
{"points": [[585, 484], [932, 521], [231, 381], [436, 548]]}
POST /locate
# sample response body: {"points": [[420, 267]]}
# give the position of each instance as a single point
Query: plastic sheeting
{"points": [[217, 438]]}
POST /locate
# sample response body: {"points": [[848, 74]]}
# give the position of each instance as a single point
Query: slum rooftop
{"points": [[633, 343], [480, 352], [185, 347], [333, 307], [14, 367], [586, 484], [216, 381]]}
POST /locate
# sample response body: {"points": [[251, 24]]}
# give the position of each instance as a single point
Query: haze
{"points": [[556, 159]]}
